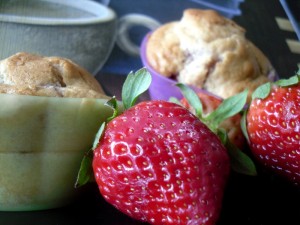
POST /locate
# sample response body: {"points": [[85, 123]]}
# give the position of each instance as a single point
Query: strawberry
{"points": [[273, 124], [231, 125], [157, 162]]}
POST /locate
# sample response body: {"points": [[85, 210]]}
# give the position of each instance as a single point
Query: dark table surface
{"points": [[259, 18], [261, 200]]}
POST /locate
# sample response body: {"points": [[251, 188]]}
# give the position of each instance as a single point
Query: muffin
{"points": [[51, 110], [29, 74], [209, 51]]}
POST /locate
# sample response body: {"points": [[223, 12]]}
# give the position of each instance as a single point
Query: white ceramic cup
{"points": [[82, 30], [125, 23]]}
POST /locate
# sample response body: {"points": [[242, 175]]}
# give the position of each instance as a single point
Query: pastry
{"points": [[30, 74], [209, 51]]}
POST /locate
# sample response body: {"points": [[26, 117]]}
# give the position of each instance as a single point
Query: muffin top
{"points": [[209, 51], [30, 74]]}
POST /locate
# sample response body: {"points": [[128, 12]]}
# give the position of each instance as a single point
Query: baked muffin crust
{"points": [[30, 74], [207, 50]]}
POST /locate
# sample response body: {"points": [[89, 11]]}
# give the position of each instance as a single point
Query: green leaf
{"points": [[239, 161], [262, 91], [288, 82], [192, 98], [85, 173], [98, 135], [244, 125], [229, 107], [222, 135], [175, 100], [134, 86], [113, 103]]}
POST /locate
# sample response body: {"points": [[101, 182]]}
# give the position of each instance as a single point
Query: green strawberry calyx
{"points": [[263, 92], [240, 161], [135, 85]]}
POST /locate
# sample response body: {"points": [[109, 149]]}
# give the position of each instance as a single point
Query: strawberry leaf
{"points": [[288, 82], [175, 100], [112, 103], [262, 91], [85, 173], [99, 135], [244, 126], [134, 85], [229, 107], [192, 98], [222, 135], [240, 162]]}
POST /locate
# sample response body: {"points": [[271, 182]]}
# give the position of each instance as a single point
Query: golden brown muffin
{"points": [[29, 74], [209, 51]]}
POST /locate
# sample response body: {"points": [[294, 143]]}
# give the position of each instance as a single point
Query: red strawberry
{"points": [[157, 162], [273, 125], [231, 125]]}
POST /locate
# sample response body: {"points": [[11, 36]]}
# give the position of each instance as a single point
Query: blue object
{"points": [[229, 7], [292, 9]]}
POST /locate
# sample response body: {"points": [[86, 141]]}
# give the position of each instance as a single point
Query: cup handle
{"points": [[128, 21]]}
